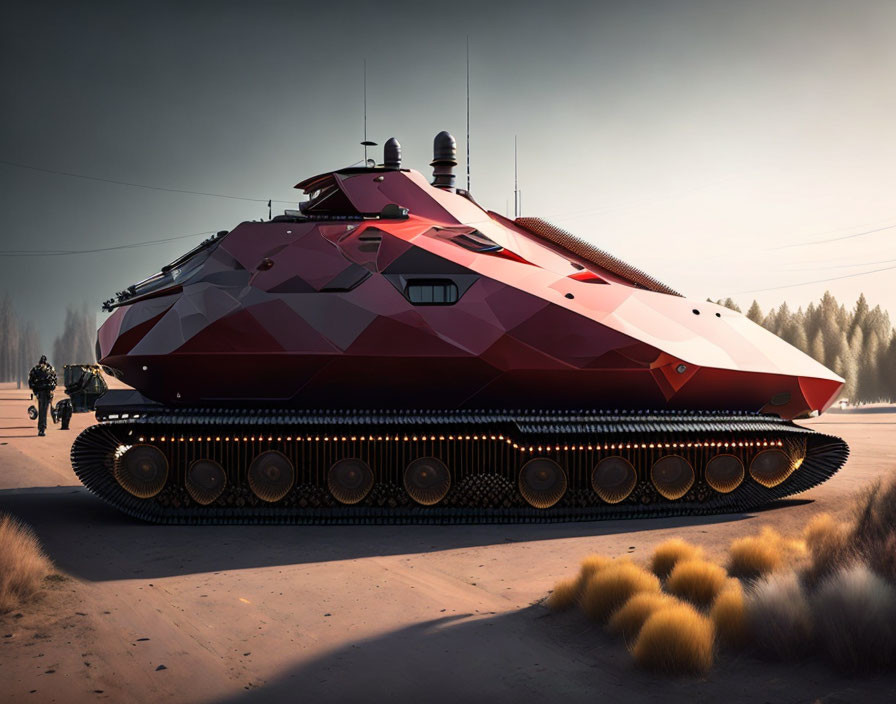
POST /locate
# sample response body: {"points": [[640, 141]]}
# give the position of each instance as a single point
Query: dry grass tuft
{"points": [[565, 594], [828, 543], [669, 553], [23, 565], [610, 588], [876, 513], [778, 616], [697, 581], [820, 528], [758, 555], [729, 615], [752, 557], [591, 565], [594, 564], [628, 619], [881, 557], [675, 640], [874, 534], [855, 619]]}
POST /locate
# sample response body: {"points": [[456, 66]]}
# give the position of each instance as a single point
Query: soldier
{"points": [[42, 380]]}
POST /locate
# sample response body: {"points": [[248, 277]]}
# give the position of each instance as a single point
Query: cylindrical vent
{"points": [[444, 159], [392, 154]]}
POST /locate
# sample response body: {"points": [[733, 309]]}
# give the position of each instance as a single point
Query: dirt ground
{"points": [[319, 614]]}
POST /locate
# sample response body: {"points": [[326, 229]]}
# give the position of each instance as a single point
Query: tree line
{"points": [[76, 343], [21, 347], [857, 343]]}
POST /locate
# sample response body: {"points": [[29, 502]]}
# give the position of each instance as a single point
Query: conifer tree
{"points": [[888, 369], [868, 388], [857, 342], [830, 332], [755, 313], [860, 314], [850, 373], [878, 321], [816, 351], [19, 343], [798, 337], [29, 353], [9, 339], [729, 303], [783, 319], [812, 321], [75, 344]]}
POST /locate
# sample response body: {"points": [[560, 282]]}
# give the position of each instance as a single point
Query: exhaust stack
{"points": [[444, 159], [392, 154]]}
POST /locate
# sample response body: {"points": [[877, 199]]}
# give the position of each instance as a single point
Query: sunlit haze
{"points": [[715, 145]]}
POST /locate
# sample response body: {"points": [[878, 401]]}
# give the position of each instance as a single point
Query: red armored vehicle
{"points": [[393, 352]]}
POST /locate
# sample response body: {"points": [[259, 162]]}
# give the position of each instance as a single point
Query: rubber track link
{"points": [[484, 451]]}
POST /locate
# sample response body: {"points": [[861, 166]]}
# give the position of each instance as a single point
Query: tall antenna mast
{"points": [[366, 143], [468, 113], [365, 113], [516, 184]]}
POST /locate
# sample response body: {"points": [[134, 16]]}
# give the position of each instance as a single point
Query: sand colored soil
{"points": [[367, 613]]}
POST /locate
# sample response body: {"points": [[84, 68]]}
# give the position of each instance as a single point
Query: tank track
{"points": [[484, 451]]}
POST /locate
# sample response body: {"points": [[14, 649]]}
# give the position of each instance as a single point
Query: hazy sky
{"points": [[700, 140]]}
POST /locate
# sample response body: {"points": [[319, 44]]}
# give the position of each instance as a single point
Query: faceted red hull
{"points": [[326, 313]]}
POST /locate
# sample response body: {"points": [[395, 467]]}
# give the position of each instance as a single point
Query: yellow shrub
{"points": [[565, 594], [829, 546], [23, 564], [667, 554], [676, 640], [610, 588], [697, 581], [593, 564], [757, 555], [629, 618], [821, 529], [729, 614]]}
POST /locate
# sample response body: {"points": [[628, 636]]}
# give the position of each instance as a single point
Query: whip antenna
{"points": [[468, 113], [516, 184], [366, 143]]}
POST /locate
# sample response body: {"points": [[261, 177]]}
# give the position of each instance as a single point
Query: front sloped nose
{"points": [[820, 393], [803, 397]]}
